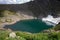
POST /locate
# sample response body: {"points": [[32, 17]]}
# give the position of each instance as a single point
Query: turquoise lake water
{"points": [[31, 25]]}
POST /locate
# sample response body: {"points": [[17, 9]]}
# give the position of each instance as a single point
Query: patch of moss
{"points": [[4, 13]]}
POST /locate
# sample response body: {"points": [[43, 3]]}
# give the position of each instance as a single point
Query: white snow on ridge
{"points": [[50, 20], [14, 1]]}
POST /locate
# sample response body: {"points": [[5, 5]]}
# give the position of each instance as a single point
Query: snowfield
{"points": [[50, 20]]}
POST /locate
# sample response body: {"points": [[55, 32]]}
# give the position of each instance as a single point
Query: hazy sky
{"points": [[13, 1]]}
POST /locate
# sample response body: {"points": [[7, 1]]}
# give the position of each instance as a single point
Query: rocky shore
{"points": [[9, 19]]}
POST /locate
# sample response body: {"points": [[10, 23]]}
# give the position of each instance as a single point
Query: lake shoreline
{"points": [[12, 19]]}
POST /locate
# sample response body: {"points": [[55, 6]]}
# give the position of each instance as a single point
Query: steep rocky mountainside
{"points": [[36, 7]]}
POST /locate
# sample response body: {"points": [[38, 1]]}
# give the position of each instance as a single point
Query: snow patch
{"points": [[50, 20]]}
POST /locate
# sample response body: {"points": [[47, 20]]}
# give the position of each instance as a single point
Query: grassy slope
{"points": [[4, 35]]}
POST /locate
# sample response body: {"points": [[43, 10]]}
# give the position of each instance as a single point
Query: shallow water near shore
{"points": [[30, 25]]}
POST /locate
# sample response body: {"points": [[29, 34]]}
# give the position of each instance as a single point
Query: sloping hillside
{"points": [[37, 7]]}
